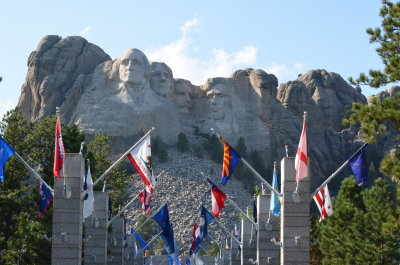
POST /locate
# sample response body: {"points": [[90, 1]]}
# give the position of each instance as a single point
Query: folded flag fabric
{"points": [[196, 239], [300, 162], [145, 198], [254, 210], [140, 157], [230, 161], [217, 199], [358, 164], [323, 201], [274, 204], [6, 151], [88, 203], [59, 152], [142, 242], [206, 219], [45, 198], [162, 219]]}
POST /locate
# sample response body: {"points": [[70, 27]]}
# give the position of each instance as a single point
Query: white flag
{"points": [[300, 162], [140, 157], [323, 201], [88, 203]]}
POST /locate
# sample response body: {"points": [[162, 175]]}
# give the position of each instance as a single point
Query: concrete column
{"points": [[95, 250], [295, 220], [248, 251], [67, 213], [267, 252], [235, 253], [116, 240]]}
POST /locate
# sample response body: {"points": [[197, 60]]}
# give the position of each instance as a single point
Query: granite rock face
{"points": [[52, 71], [125, 97]]}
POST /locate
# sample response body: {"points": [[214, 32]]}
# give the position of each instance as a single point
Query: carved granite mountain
{"points": [[127, 96], [53, 69]]}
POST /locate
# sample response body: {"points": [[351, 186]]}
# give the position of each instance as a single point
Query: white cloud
{"points": [[6, 106], [285, 72], [84, 32], [185, 64]]}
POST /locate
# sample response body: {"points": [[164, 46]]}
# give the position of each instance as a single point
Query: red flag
{"points": [[300, 162], [323, 201], [145, 198], [217, 199], [59, 154]]}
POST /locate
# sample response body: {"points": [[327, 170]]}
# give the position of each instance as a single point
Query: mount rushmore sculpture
{"points": [[125, 97]]}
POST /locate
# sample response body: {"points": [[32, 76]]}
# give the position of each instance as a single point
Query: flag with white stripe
{"points": [[323, 201]]}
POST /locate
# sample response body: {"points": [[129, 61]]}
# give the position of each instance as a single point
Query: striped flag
{"points": [[300, 162], [140, 157], [230, 160], [323, 201], [59, 154], [145, 198], [217, 199]]}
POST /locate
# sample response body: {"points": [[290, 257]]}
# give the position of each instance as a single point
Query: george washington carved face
{"points": [[133, 68]]}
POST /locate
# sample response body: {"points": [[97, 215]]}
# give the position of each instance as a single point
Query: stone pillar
{"points": [[67, 213], [95, 251], [295, 219], [116, 240], [234, 253], [248, 251], [267, 252]]}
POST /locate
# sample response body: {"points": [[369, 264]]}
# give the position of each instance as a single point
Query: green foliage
{"points": [[198, 151], [364, 228], [213, 249], [387, 37], [374, 119], [214, 149], [241, 147], [183, 143], [159, 150]]}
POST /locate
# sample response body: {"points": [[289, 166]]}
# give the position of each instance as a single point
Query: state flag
{"points": [[45, 198], [88, 200], [6, 151], [358, 164], [59, 152], [230, 161], [145, 198], [217, 199], [323, 201], [300, 162]]}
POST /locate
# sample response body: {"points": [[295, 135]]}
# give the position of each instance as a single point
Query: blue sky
{"points": [[199, 39]]}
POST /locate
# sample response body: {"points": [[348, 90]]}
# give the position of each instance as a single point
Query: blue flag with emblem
{"points": [[358, 164], [207, 217], [45, 198], [162, 219], [6, 151]]}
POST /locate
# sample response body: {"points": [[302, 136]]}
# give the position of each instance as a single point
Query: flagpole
{"points": [[226, 231], [148, 219], [336, 172], [231, 201], [116, 162], [252, 170], [129, 203], [148, 244], [33, 171]]}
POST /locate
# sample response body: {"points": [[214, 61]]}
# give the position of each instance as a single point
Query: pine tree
{"points": [[183, 143]]}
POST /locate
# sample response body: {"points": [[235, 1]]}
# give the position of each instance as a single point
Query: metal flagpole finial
{"points": [[305, 114], [275, 165], [212, 130], [153, 128], [287, 150], [57, 110]]}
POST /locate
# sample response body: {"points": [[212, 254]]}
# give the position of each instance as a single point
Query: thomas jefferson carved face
{"points": [[216, 97], [161, 79], [133, 68]]}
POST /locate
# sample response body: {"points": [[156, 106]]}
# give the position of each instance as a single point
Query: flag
{"points": [[59, 155], [162, 219], [88, 203], [187, 261], [140, 157], [145, 198], [45, 198], [6, 151], [226, 244], [323, 201], [142, 242], [109, 208], [230, 160], [196, 239], [217, 199], [81, 149], [207, 217], [358, 164], [254, 210], [262, 189], [179, 261], [274, 204], [300, 162]]}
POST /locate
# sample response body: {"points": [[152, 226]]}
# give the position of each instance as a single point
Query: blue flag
{"points": [[274, 205], [207, 217], [6, 151], [142, 242], [45, 198], [358, 164], [254, 210], [187, 261], [162, 219]]}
